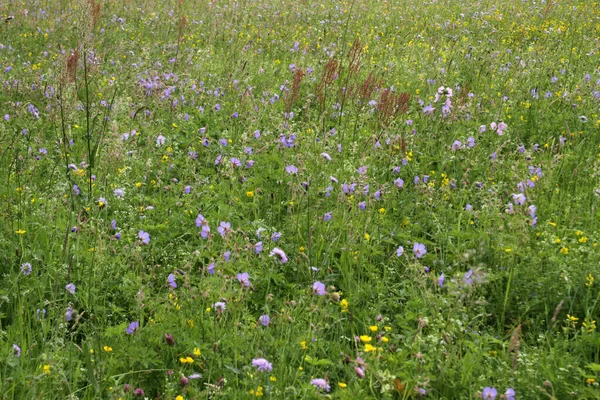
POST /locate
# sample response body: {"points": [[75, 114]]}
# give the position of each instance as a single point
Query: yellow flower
{"points": [[273, 379], [572, 318], [382, 210], [385, 339], [196, 352], [20, 232], [373, 328], [564, 250], [589, 280], [180, 397], [590, 381], [367, 237], [107, 349], [186, 360], [302, 248], [190, 323], [387, 328], [174, 125], [557, 240], [46, 369], [138, 184], [579, 233], [344, 305], [583, 239], [342, 385], [365, 338], [370, 348], [250, 194], [303, 345]]}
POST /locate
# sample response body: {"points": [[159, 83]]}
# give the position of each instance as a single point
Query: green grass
{"points": [[186, 108]]}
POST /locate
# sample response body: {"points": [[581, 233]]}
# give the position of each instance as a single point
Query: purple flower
{"points": [[76, 190], [120, 193], [69, 314], [509, 394], [482, 129], [224, 228], [264, 320], [138, 392], [441, 280], [187, 189], [219, 306], [280, 254], [134, 326], [327, 217], [211, 268], [160, 140], [171, 281], [70, 288], [319, 288], [326, 156], [399, 183], [362, 170], [244, 279], [467, 280], [489, 393], [471, 141], [26, 268], [377, 195], [360, 372], [17, 350], [113, 224], [468, 207], [456, 145], [223, 142], [519, 198], [276, 236], [493, 156], [291, 169], [144, 237], [320, 383], [226, 255], [429, 109], [235, 162], [262, 365], [362, 206], [419, 249], [399, 251]]}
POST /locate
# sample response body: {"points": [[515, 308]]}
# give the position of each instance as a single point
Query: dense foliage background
{"points": [[357, 199]]}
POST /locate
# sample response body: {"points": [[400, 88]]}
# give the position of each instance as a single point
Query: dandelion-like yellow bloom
{"points": [[370, 348], [342, 385], [365, 338], [373, 328]]}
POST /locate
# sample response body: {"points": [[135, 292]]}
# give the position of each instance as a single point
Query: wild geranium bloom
{"points": [[441, 280], [519, 198], [319, 288], [467, 277], [280, 254], [244, 279], [69, 314], [327, 217], [70, 288], [171, 281], [264, 320], [399, 183], [258, 247], [134, 326], [399, 251], [456, 145], [262, 365], [17, 350], [320, 384], [211, 268], [144, 237], [291, 169], [489, 393], [471, 141], [419, 249], [509, 394], [224, 228]]}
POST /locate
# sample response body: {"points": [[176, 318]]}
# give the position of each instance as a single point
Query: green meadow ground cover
{"points": [[310, 199]]}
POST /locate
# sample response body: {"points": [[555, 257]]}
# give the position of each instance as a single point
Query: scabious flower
{"points": [[399, 183], [320, 384], [16, 350], [211, 268], [280, 254], [120, 193], [467, 277], [471, 142], [262, 365], [362, 206], [489, 393], [144, 237], [327, 217], [291, 169], [456, 145], [244, 279], [264, 320], [171, 281], [134, 326], [319, 288], [70, 288], [69, 314], [26, 268], [419, 249], [258, 247], [219, 306]]}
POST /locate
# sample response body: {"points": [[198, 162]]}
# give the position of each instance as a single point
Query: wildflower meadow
{"points": [[230, 199]]}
